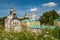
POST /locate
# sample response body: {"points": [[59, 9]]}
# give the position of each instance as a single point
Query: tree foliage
{"points": [[2, 20], [48, 17]]}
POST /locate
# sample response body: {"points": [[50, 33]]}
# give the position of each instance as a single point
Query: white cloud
{"points": [[34, 9], [58, 11], [50, 4]]}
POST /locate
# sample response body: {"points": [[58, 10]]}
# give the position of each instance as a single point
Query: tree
{"points": [[2, 22], [48, 17]]}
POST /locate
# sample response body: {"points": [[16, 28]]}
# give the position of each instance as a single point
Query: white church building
{"points": [[12, 22]]}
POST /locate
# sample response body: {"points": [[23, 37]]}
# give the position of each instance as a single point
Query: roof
{"points": [[41, 27], [58, 19], [35, 27], [27, 20]]}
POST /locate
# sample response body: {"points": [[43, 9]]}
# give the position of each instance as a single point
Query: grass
{"points": [[46, 34]]}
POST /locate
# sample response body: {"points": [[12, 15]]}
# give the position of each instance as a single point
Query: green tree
{"points": [[2, 22], [48, 17]]}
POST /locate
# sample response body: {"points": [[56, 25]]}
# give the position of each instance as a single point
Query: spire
{"points": [[15, 10], [11, 10], [33, 16], [14, 13]]}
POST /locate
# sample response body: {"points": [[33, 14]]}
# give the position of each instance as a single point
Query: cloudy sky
{"points": [[27, 6]]}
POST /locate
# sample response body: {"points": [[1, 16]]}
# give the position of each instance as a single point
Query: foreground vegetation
{"points": [[45, 34]]}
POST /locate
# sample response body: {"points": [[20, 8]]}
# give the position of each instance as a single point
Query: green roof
{"points": [[26, 20], [41, 27], [58, 19], [35, 27]]}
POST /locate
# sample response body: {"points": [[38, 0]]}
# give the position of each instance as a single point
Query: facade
{"points": [[57, 22], [12, 22], [29, 22]]}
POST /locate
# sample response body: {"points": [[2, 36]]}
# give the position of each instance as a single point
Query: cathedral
{"points": [[12, 22]]}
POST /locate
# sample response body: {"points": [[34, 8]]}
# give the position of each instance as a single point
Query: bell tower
{"points": [[33, 15]]}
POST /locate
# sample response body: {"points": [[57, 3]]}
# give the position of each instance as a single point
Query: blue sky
{"points": [[27, 6]]}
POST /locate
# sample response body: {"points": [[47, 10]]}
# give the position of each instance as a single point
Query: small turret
{"points": [[11, 12], [14, 13]]}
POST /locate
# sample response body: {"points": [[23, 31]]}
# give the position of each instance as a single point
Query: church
{"points": [[11, 21]]}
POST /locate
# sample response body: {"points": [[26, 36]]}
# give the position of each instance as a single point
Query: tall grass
{"points": [[46, 34]]}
